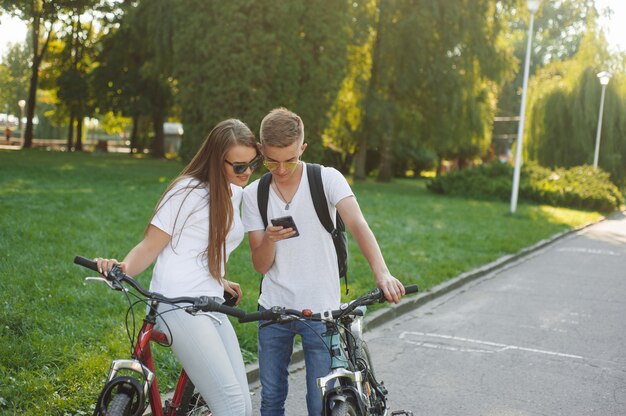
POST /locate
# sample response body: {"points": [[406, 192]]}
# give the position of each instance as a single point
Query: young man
{"points": [[300, 272]]}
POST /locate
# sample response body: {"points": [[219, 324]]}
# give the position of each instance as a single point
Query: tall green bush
{"points": [[581, 187]]}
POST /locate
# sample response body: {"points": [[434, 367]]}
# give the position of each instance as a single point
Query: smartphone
{"points": [[229, 300], [286, 222]]}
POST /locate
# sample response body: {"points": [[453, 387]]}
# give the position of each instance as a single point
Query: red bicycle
{"points": [[132, 383]]}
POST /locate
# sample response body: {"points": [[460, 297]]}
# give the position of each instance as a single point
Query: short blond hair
{"points": [[281, 128]]}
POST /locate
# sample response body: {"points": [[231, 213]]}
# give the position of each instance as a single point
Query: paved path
{"points": [[544, 335]]}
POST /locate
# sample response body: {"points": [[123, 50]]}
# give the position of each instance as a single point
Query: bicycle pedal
{"points": [[402, 413]]}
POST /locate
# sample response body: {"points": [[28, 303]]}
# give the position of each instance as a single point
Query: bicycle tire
{"points": [[376, 393], [191, 403], [121, 396], [344, 407], [120, 405], [362, 353]]}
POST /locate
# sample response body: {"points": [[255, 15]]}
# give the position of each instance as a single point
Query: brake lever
{"points": [[113, 284], [377, 295], [201, 303]]}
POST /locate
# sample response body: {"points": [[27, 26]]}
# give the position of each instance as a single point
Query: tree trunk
{"points": [[133, 135], [34, 79], [384, 173], [361, 156], [79, 134], [158, 144], [70, 133], [360, 159]]}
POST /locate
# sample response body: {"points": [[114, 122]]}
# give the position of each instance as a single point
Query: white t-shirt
{"points": [[305, 274], [181, 269]]}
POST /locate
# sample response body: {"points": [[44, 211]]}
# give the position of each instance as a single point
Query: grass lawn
{"points": [[59, 334]]}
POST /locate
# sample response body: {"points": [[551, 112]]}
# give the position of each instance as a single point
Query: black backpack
{"points": [[340, 240]]}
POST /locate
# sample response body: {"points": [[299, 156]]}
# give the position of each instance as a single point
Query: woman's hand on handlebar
{"points": [[234, 289], [105, 265]]}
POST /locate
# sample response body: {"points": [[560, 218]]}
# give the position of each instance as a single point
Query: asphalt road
{"points": [[544, 335]]}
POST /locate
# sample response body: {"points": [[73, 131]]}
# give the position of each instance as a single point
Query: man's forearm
{"points": [[365, 239], [263, 255]]}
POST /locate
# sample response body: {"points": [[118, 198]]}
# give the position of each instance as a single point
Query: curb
{"points": [[382, 316]]}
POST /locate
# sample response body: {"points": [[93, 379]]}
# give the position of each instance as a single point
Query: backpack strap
{"points": [[262, 198], [263, 195], [314, 174]]}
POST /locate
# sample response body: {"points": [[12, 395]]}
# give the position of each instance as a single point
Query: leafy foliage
{"points": [[14, 75], [242, 58], [559, 30], [564, 113], [581, 187], [442, 96]]}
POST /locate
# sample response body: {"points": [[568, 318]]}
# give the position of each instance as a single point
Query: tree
{"points": [[434, 74], [76, 63], [41, 15], [564, 103], [14, 75], [134, 75], [559, 28], [275, 53]]}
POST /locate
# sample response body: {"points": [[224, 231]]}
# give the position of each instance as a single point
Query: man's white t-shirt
{"points": [[181, 269], [305, 274]]}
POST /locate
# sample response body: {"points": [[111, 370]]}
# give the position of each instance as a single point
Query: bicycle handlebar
{"points": [[277, 313], [201, 303]]}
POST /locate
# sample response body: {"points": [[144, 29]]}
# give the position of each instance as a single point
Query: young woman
{"points": [[195, 226]]}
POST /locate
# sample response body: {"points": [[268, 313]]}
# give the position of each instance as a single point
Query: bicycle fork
{"points": [[341, 383]]}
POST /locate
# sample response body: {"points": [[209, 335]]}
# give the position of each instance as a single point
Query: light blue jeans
{"points": [[208, 349], [275, 348]]}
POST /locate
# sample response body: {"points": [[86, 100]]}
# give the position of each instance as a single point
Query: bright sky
{"points": [[615, 27], [13, 30]]}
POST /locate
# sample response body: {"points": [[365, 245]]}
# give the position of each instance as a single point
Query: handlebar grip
{"points": [[229, 310], [258, 316], [85, 262], [410, 289]]}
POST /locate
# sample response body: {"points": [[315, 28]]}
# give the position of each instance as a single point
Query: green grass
{"points": [[59, 334]]}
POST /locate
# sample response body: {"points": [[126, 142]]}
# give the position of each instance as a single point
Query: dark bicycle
{"points": [[126, 395], [351, 387]]}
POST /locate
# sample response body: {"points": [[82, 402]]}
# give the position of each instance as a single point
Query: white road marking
{"points": [[589, 251], [488, 347]]}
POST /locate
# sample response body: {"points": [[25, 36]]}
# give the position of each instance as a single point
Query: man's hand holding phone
{"points": [[286, 222]]}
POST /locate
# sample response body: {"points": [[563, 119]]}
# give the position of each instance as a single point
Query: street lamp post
{"points": [[533, 6], [21, 104], [604, 77]]}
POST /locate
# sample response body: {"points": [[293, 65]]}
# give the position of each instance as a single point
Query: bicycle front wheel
{"points": [[344, 406], [191, 403], [121, 396], [120, 405]]}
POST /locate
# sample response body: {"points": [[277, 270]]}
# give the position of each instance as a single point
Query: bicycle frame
{"points": [[355, 388], [347, 378], [142, 363], [128, 393]]}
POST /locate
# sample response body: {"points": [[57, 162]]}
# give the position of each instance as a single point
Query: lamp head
{"points": [[21, 103], [604, 77], [533, 5]]}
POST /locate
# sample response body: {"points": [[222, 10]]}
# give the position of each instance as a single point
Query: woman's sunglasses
{"points": [[240, 167]]}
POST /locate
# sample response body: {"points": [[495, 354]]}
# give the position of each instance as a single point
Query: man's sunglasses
{"points": [[274, 165], [240, 167]]}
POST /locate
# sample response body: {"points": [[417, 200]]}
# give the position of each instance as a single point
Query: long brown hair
{"points": [[207, 167]]}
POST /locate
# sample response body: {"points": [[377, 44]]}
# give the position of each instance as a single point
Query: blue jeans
{"points": [[275, 348]]}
